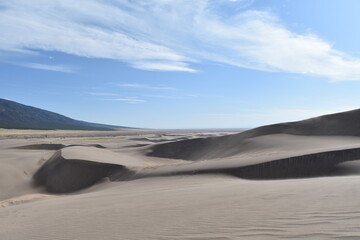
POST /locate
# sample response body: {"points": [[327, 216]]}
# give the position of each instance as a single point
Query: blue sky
{"points": [[182, 64]]}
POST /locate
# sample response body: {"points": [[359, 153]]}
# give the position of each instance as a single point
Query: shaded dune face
{"points": [[59, 175], [311, 165], [43, 146]]}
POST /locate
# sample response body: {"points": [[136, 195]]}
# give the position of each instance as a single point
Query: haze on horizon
{"points": [[181, 64]]}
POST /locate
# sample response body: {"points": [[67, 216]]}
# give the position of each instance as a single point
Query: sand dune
{"points": [[265, 157], [328, 163], [180, 185], [75, 168], [340, 124]]}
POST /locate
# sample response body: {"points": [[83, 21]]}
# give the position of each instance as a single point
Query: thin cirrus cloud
{"points": [[163, 35]]}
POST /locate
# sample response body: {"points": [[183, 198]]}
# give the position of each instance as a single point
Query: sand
{"points": [[139, 185]]}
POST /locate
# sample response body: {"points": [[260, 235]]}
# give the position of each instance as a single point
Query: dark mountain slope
{"points": [[14, 115]]}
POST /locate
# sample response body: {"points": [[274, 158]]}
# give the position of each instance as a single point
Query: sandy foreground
{"points": [[127, 186]]}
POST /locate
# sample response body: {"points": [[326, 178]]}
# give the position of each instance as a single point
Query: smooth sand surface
{"points": [[217, 190]]}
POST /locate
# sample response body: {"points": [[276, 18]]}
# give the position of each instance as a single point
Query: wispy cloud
{"points": [[56, 68], [143, 86], [102, 94], [171, 35], [126, 100]]}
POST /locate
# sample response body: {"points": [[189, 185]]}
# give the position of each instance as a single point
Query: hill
{"points": [[14, 115]]}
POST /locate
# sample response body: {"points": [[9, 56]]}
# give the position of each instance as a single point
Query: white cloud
{"points": [[166, 35], [56, 68]]}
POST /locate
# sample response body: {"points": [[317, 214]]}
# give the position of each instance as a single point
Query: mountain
{"points": [[14, 115]]}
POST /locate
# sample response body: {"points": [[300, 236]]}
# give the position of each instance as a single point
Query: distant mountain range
{"points": [[14, 115]]}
